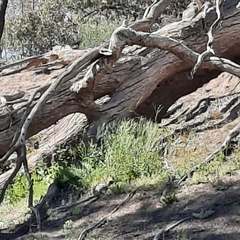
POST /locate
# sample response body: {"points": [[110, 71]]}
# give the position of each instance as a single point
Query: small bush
{"points": [[42, 177], [132, 151], [127, 153]]}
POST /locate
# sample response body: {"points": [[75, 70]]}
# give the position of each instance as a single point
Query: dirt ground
{"points": [[143, 215]]}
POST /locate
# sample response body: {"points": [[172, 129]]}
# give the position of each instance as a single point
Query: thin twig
{"points": [[103, 220], [232, 134], [164, 230]]}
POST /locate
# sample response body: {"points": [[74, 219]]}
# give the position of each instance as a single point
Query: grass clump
{"points": [[126, 154], [131, 152]]}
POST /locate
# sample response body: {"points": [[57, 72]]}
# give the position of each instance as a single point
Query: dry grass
{"points": [[184, 151]]}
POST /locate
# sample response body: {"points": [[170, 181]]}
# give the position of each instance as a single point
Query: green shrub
{"points": [[132, 151], [127, 153], [42, 177], [54, 22]]}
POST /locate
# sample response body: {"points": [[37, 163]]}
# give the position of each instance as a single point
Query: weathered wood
{"points": [[141, 80], [3, 7]]}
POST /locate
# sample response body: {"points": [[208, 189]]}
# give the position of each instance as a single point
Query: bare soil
{"points": [[143, 215]]}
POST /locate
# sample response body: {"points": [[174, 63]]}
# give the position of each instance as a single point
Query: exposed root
{"points": [[103, 220], [162, 231]]}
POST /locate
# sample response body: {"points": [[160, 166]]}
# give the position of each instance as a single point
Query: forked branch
{"points": [[99, 62]]}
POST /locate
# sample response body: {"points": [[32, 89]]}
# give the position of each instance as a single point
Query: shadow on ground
{"points": [[142, 216]]}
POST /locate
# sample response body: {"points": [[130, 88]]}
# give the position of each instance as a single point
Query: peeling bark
{"points": [[142, 78], [152, 71]]}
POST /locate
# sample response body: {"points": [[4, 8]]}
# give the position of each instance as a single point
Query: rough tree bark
{"points": [[3, 7], [154, 70], [142, 79]]}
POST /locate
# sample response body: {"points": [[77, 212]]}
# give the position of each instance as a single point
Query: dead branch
{"points": [[162, 231], [98, 63], [209, 51], [20, 146], [96, 72], [232, 134], [103, 220]]}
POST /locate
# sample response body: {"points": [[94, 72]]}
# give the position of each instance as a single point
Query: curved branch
{"points": [[97, 70], [91, 85], [209, 51], [151, 14]]}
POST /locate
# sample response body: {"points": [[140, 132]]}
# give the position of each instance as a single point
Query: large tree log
{"points": [[137, 83], [141, 80], [3, 7]]}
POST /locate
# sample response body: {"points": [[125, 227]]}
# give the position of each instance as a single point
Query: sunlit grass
{"points": [[128, 153]]}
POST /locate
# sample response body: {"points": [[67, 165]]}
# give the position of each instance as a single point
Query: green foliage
{"points": [[128, 153], [56, 23], [38, 31], [18, 190], [169, 198], [211, 169], [35, 28], [68, 177], [125, 153], [94, 33], [42, 177], [132, 152], [181, 235], [68, 225]]}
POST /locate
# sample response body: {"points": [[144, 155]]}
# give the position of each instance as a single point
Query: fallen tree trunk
{"points": [[138, 80], [141, 80]]}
